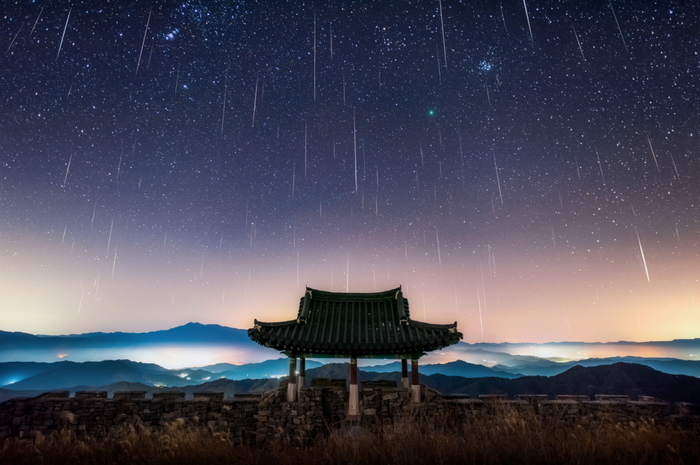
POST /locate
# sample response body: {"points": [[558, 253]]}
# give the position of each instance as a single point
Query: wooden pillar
{"points": [[354, 400], [302, 376], [292, 385], [404, 374], [415, 380]]}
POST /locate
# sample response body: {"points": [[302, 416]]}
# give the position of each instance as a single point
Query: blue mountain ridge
{"points": [[17, 346], [618, 378], [190, 333], [671, 366], [479, 359], [456, 368], [66, 374]]}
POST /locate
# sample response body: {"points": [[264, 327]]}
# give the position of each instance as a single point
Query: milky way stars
{"points": [[529, 169]]}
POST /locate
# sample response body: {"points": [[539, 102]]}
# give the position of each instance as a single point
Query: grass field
{"points": [[502, 439]]}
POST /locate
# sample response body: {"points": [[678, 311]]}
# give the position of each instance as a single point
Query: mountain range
{"points": [[618, 378], [28, 363], [195, 344], [66, 374]]}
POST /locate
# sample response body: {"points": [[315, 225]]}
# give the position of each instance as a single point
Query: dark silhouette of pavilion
{"points": [[354, 325]]}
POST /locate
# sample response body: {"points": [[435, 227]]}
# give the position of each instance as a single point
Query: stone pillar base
{"points": [[415, 381], [415, 393], [354, 401], [291, 392]]}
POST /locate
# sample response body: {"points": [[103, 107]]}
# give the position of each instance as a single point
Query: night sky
{"points": [[531, 170]]}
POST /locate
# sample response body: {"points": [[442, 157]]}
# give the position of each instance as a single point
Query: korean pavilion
{"points": [[354, 325]]}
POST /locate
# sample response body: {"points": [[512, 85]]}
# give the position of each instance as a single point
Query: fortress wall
{"points": [[258, 419], [92, 413]]}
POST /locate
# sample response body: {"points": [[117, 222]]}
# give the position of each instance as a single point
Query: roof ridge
{"points": [[318, 293]]}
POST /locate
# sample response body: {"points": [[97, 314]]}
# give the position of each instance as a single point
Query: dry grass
{"points": [[499, 439]]}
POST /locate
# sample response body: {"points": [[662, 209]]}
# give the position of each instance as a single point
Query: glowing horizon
{"points": [[517, 188]]}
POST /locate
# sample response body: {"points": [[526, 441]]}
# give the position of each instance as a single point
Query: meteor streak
{"points": [[641, 251], [354, 145], [148, 21], [67, 170], [578, 42], [653, 154], [442, 26], [64, 33], [618, 27], [529, 27], [498, 180]]}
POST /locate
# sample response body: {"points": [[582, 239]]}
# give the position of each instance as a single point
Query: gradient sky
{"points": [[534, 175]]}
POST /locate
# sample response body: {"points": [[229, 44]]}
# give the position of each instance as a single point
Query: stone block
{"points": [[168, 396], [328, 382], [129, 395], [492, 397], [612, 398], [687, 408], [81, 395], [53, 394], [209, 396], [379, 384], [248, 396], [576, 398], [532, 398]]}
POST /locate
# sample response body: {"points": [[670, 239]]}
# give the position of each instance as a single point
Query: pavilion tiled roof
{"points": [[363, 325]]}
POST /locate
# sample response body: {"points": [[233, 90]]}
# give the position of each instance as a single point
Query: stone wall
{"points": [[92, 413], [256, 419]]}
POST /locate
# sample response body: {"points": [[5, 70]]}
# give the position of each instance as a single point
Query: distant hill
{"points": [[12, 372], [62, 375], [16, 346], [267, 369], [26, 376], [512, 354], [619, 378], [542, 367], [456, 368], [547, 368], [189, 334]]}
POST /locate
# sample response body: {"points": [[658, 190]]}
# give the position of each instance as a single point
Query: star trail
{"points": [[530, 170]]}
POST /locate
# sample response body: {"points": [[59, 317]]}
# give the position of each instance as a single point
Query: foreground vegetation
{"points": [[503, 439]]}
